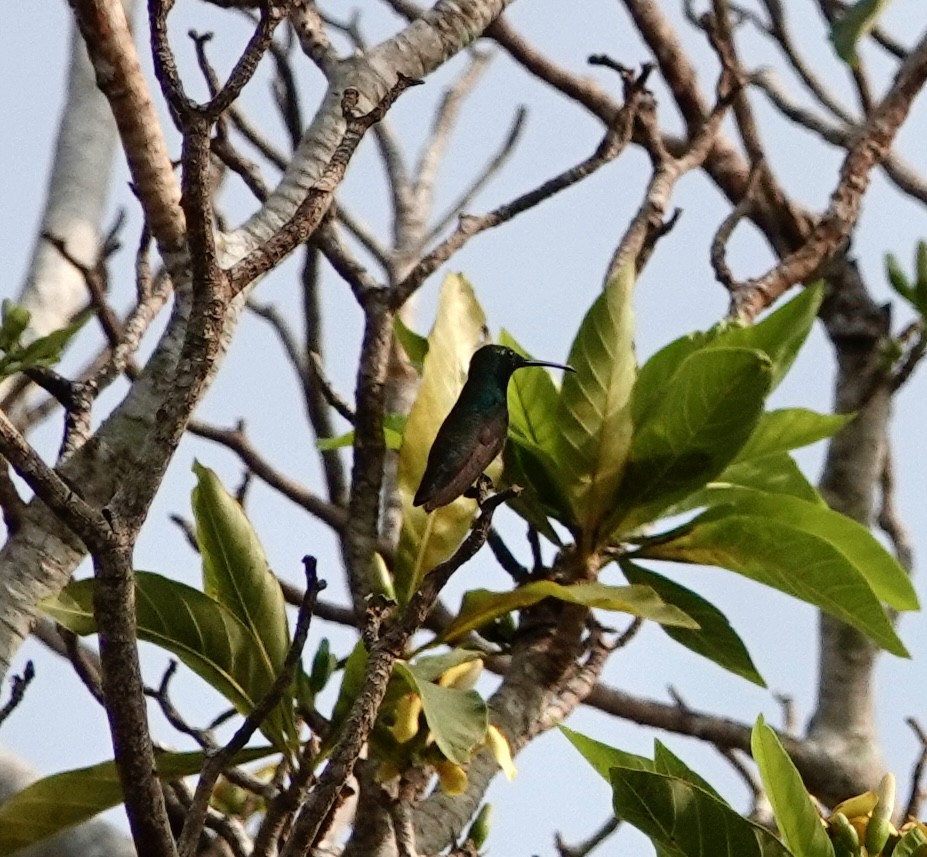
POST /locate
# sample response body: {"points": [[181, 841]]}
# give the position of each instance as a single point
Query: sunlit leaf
{"points": [[798, 820], [593, 414], [235, 569], [714, 638], [414, 345], [55, 803], [779, 335], [203, 633], [425, 540], [705, 413], [797, 548], [481, 606]]}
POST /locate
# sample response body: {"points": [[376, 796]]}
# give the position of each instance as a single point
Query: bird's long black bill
{"points": [[545, 363]]}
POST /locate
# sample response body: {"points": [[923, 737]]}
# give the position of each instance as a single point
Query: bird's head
{"points": [[499, 362]]}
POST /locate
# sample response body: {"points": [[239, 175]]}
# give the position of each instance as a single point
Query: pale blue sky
{"points": [[536, 277]]}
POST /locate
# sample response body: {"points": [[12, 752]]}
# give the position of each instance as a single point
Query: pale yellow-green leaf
{"points": [[593, 414], [425, 540], [481, 605]]}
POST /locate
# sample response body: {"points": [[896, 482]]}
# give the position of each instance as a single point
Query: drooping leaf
{"points": [[457, 718], [235, 569], [55, 803], [852, 24], [798, 820], [593, 414], [854, 542], [683, 820], [707, 410], [807, 557], [667, 762], [425, 540], [602, 757], [203, 633], [481, 606], [714, 639]]}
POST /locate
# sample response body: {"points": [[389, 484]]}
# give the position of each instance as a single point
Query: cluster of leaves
{"points": [[234, 634], [617, 448], [43, 351], [685, 817]]}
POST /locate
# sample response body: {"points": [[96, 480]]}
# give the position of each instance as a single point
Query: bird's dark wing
{"points": [[453, 467]]}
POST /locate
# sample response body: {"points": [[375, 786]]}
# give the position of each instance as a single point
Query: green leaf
{"points": [[897, 278], [912, 844], [772, 474], [798, 820], [414, 344], [432, 667], [593, 415], [532, 403], [887, 579], [853, 24], [203, 633], [481, 606], [15, 320], [683, 820], [779, 335], [55, 803], [426, 540], [393, 427], [351, 683], [235, 569], [533, 469], [790, 428], [666, 762], [458, 719], [707, 411], [801, 549], [602, 757], [714, 639]]}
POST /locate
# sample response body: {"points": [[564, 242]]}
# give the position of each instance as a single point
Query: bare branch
{"points": [[19, 686]]}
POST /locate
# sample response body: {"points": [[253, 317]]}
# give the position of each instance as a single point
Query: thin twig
{"points": [[221, 760], [916, 798], [19, 686]]}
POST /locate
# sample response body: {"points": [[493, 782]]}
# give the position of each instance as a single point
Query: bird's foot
{"points": [[481, 490]]}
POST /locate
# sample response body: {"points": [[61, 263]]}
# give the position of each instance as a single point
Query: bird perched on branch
{"points": [[474, 432]]}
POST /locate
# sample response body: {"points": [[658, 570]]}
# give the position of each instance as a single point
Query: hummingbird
{"points": [[474, 432]]}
